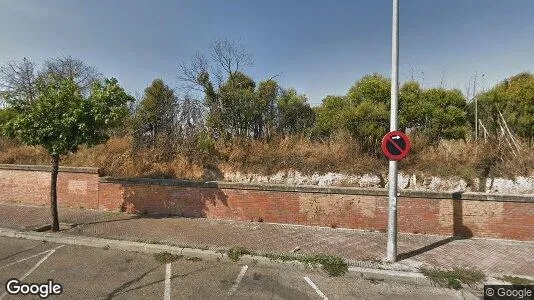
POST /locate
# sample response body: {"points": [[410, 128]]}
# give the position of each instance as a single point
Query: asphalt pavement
{"points": [[94, 273]]}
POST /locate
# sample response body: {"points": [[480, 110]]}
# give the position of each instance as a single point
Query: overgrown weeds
{"points": [[515, 280], [333, 265], [235, 253], [166, 257], [117, 157], [454, 278]]}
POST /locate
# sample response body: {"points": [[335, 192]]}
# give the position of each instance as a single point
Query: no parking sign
{"points": [[396, 145]]}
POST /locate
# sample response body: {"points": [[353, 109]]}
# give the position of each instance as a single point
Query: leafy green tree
{"points": [[6, 114], [367, 123], [447, 114], [413, 109], [155, 118], [238, 104], [367, 115], [61, 118], [267, 94], [514, 98], [295, 114], [374, 88], [329, 115], [211, 100], [239, 107]]}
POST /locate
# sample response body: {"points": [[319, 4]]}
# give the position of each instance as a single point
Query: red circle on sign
{"points": [[396, 145]]}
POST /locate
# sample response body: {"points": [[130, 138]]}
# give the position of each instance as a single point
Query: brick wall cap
{"points": [[43, 168], [323, 189]]}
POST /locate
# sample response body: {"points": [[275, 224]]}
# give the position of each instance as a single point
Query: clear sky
{"points": [[319, 47]]}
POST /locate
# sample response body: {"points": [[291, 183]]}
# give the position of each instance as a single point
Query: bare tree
{"points": [[191, 121], [442, 81], [190, 72], [411, 72], [68, 67], [230, 56], [227, 58], [17, 79]]}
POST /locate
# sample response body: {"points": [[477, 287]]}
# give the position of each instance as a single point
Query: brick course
{"points": [[471, 215], [77, 187]]}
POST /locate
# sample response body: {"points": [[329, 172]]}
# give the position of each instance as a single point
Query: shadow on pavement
{"points": [[426, 248], [459, 230], [121, 289]]}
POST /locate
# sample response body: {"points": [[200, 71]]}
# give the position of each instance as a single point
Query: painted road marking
{"points": [[24, 259], [25, 250], [50, 252], [238, 280], [308, 280], [168, 272]]}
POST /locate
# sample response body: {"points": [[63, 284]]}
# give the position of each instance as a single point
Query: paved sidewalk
{"points": [[494, 257]]}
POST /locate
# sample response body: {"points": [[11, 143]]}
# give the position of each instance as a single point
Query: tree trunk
{"points": [[53, 192]]}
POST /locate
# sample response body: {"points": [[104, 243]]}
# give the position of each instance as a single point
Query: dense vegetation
{"points": [[220, 119]]}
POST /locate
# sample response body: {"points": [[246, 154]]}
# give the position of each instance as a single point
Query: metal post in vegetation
{"points": [[392, 215]]}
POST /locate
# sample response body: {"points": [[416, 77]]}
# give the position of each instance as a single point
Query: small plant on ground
{"points": [[281, 257], [235, 253], [333, 265], [516, 280], [454, 278], [194, 259], [166, 257], [375, 281]]}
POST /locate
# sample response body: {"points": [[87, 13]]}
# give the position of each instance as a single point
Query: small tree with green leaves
{"points": [[61, 119]]}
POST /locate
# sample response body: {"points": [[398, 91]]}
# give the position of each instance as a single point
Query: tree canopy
{"points": [[514, 99], [61, 118], [156, 116]]}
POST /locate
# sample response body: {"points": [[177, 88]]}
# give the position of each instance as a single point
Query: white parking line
{"points": [[308, 280], [24, 259], [50, 252], [168, 272], [238, 280]]}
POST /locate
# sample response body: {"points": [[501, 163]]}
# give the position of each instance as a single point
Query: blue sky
{"points": [[319, 47]]}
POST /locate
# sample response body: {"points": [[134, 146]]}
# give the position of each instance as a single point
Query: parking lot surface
{"points": [[95, 273]]}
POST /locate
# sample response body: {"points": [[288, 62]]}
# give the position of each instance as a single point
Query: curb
{"points": [[210, 255], [390, 275]]}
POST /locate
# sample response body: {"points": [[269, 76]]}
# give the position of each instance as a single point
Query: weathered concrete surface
{"points": [[521, 184]]}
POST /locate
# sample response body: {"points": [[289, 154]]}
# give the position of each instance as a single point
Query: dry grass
{"points": [[117, 158], [341, 154], [24, 155], [469, 160]]}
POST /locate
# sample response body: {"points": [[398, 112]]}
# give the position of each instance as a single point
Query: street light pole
{"points": [[392, 213]]}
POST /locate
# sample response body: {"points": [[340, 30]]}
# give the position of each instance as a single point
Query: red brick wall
{"points": [[77, 187], [478, 215], [478, 218]]}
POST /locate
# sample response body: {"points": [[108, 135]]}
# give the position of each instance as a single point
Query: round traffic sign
{"points": [[396, 145]]}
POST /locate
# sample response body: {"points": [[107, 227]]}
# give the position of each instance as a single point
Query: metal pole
{"points": [[476, 118], [476, 104], [392, 215]]}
